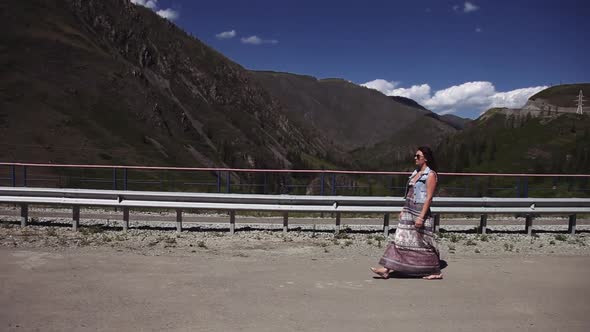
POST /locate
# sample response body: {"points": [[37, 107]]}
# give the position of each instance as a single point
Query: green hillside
{"points": [[563, 95], [500, 143]]}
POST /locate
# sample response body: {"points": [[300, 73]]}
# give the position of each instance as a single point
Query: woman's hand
{"points": [[419, 222]]}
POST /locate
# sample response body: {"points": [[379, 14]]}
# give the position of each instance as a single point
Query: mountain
{"points": [[351, 116], [395, 152], [454, 121], [564, 95], [408, 102], [525, 140], [106, 81], [109, 82]]}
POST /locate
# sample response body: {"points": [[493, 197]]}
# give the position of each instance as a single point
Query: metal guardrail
{"points": [[125, 199]]}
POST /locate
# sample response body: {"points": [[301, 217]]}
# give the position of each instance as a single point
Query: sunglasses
{"points": [[418, 156]]}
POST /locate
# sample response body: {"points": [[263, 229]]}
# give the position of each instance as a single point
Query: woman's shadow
{"points": [[398, 275]]}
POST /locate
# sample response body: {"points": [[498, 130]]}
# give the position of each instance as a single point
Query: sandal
{"points": [[383, 273], [433, 277]]}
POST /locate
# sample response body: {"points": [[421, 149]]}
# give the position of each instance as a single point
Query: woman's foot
{"points": [[382, 272], [433, 277]]}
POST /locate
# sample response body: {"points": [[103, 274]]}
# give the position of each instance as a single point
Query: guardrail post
{"points": [[228, 183], [322, 184], [285, 222], [125, 218], [24, 215], [24, 176], [436, 223], [75, 218], [386, 225], [179, 220], [232, 222], [571, 228], [13, 174], [337, 227], [124, 178], [483, 223], [529, 224]]}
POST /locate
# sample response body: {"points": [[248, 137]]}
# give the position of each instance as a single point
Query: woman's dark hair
{"points": [[429, 157]]}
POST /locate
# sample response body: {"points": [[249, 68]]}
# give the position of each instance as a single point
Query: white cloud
{"points": [[255, 40], [468, 7], [381, 85], [467, 97], [390, 88], [167, 13], [226, 34], [515, 98], [151, 4], [416, 92], [478, 29]]}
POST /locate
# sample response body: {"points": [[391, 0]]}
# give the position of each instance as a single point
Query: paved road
{"points": [[102, 289]]}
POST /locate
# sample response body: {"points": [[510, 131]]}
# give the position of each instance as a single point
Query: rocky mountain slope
{"points": [[347, 114], [106, 81]]}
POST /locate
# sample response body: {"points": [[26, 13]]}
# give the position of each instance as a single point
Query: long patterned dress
{"points": [[413, 251]]}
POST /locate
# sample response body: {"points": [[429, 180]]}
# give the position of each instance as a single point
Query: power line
{"points": [[580, 102]]}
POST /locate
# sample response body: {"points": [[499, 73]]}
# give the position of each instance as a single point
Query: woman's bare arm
{"points": [[430, 188]]}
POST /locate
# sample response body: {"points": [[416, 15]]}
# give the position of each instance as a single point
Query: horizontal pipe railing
{"points": [[254, 170], [309, 182]]}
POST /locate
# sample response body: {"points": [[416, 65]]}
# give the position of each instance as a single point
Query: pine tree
{"points": [[493, 150]]}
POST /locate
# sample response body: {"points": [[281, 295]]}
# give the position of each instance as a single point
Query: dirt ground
{"points": [[102, 279]]}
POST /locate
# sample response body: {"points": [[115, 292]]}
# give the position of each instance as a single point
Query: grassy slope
{"points": [[563, 95], [516, 144]]}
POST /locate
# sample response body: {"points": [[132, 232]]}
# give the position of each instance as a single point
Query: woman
{"points": [[413, 251]]}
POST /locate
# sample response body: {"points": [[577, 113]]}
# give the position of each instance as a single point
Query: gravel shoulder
{"points": [[157, 238]]}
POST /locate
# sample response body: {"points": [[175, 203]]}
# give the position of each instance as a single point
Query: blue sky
{"points": [[458, 57]]}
